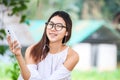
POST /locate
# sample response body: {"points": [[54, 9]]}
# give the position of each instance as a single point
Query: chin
{"points": [[52, 40]]}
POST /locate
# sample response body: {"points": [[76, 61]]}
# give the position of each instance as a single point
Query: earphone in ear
{"points": [[66, 34]]}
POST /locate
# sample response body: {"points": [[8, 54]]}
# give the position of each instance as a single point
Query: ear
{"points": [[66, 34]]}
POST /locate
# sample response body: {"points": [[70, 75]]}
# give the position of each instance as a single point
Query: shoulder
{"points": [[28, 50], [28, 58]]}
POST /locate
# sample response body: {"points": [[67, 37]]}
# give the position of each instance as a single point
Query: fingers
{"points": [[13, 45], [9, 39]]}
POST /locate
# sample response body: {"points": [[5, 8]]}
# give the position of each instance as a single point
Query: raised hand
{"points": [[14, 46]]}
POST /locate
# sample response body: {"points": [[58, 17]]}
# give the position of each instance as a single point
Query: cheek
{"points": [[62, 34], [47, 32]]}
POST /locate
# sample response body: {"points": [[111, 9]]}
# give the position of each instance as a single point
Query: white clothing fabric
{"points": [[51, 68]]}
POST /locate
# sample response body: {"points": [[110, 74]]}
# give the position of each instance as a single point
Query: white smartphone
{"points": [[10, 32]]}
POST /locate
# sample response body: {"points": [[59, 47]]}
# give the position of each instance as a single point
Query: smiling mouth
{"points": [[52, 34]]}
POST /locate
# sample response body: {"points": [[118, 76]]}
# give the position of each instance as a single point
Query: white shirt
{"points": [[51, 68]]}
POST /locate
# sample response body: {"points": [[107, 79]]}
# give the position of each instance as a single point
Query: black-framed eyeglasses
{"points": [[57, 26]]}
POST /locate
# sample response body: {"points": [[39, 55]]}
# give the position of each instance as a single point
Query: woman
{"points": [[49, 59]]}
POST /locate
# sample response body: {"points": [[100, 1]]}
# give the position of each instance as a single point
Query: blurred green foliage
{"points": [[3, 49], [17, 6], [109, 8], [41, 9], [2, 34], [13, 71], [96, 75], [9, 72]]}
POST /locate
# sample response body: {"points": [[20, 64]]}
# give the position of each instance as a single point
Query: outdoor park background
{"points": [[96, 34]]}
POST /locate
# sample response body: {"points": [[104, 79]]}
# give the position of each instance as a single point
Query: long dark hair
{"points": [[41, 49]]}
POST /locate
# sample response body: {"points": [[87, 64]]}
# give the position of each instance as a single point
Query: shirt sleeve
{"points": [[62, 73], [33, 71]]}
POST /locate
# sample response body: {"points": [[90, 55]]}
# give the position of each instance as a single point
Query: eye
{"points": [[59, 25], [49, 25]]}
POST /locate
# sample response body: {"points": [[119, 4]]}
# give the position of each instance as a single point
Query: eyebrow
{"points": [[56, 23]]}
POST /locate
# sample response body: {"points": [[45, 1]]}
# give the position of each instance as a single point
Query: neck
{"points": [[55, 47]]}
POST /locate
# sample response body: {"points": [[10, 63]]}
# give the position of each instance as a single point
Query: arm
{"points": [[31, 67], [17, 52], [24, 70], [72, 59], [24, 64]]}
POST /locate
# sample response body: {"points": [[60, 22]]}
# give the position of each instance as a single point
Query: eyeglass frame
{"points": [[54, 25]]}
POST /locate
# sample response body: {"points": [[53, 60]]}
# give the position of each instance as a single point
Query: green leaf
{"points": [[2, 31], [18, 6], [23, 6], [1, 37], [2, 34], [23, 18], [3, 49]]}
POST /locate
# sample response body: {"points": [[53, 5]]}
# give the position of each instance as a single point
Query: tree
{"points": [[17, 7]]}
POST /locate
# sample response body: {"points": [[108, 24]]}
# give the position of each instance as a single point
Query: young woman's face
{"points": [[56, 29]]}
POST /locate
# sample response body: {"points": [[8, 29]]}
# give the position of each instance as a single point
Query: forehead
{"points": [[57, 19]]}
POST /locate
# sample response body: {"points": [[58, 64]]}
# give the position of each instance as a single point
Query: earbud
{"points": [[66, 34]]}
